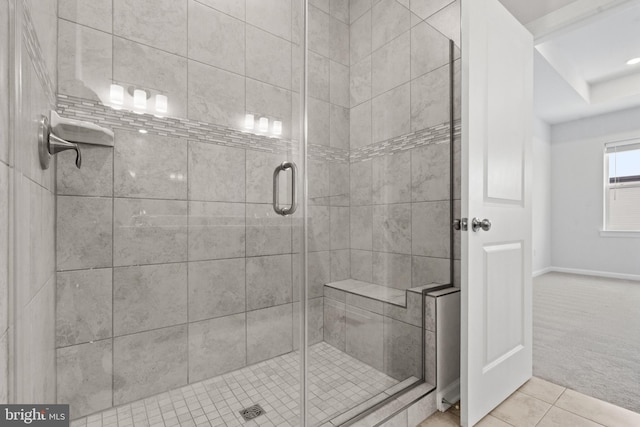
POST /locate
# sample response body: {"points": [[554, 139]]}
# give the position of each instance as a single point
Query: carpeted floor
{"points": [[586, 336]]}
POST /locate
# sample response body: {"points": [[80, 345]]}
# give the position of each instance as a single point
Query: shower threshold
{"points": [[337, 383]]}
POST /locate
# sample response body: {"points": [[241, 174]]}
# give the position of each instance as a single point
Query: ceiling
{"points": [[580, 68]]}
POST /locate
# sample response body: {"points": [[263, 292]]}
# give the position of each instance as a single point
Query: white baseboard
{"points": [[596, 273], [542, 271]]}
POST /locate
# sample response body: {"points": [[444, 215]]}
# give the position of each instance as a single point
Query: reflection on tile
{"points": [[215, 96], [216, 230], [521, 410], [392, 228], [150, 68], [149, 297], [268, 281], [272, 101], [208, 27], [92, 14], [224, 166], [269, 332], [364, 334], [84, 232], [158, 23], [85, 61], [138, 358], [84, 377], [149, 231], [94, 179], [216, 288], [83, 306], [216, 346], [268, 58], [267, 232], [150, 166]]}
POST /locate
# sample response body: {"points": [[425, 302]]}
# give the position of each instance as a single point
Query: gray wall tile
{"points": [[216, 230], [360, 124], [390, 65], [209, 27], [267, 232], [215, 95], [318, 31], [340, 219], [430, 229], [268, 58], [390, 19], [217, 346], [360, 37], [391, 112], [84, 232], [339, 84], [158, 23], [223, 166], [273, 16], [268, 281], [138, 358], [430, 173], [84, 377], [362, 265], [149, 297], [150, 166], [361, 227], [429, 49], [149, 231], [340, 265], [360, 81], [96, 15], [392, 228], [339, 127], [269, 332], [83, 306], [94, 179], [430, 99], [338, 41], [319, 70], [392, 270], [319, 221], [335, 323], [402, 349], [216, 288], [391, 178], [146, 67], [364, 336]]}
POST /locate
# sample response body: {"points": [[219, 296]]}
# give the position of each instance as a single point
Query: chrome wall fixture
{"points": [[49, 145], [276, 189]]}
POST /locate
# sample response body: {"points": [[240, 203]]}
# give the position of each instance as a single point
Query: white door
{"points": [[497, 97]]}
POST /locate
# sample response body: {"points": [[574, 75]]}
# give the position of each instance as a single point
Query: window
{"points": [[622, 186]]}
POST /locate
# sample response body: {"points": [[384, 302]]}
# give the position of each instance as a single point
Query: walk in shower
{"points": [[255, 246]]}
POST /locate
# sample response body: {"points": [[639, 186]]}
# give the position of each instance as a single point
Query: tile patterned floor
{"points": [[544, 404], [337, 382]]}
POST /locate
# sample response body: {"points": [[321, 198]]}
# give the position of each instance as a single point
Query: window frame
{"points": [[612, 148]]}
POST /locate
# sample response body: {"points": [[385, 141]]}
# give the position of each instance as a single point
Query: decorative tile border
{"points": [[96, 112], [434, 135], [37, 58]]}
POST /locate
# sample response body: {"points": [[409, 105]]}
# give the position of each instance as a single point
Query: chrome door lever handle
{"points": [[477, 224]]}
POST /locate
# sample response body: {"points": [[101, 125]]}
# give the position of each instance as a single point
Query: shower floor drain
{"points": [[252, 412]]}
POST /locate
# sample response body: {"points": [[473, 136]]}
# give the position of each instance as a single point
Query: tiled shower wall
{"points": [[29, 211], [399, 139], [170, 257]]}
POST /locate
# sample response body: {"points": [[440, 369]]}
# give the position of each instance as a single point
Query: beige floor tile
{"points": [[557, 417], [441, 419], [491, 421], [521, 410], [596, 410], [542, 389]]}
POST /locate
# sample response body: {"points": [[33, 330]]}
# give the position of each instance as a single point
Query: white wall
{"points": [[541, 196], [577, 197]]}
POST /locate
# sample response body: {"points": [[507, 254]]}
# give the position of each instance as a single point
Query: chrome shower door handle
{"points": [[276, 189]]}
